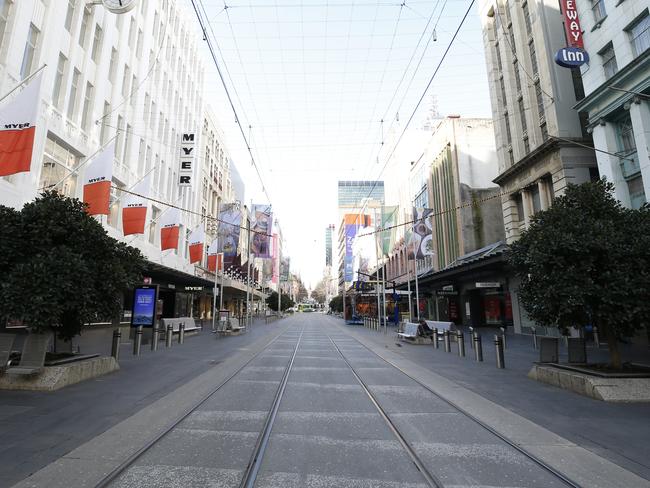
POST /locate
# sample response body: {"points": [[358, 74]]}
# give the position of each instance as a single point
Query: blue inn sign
{"points": [[571, 57]]}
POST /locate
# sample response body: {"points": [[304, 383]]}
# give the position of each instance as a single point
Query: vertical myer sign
{"points": [[574, 54], [187, 159]]}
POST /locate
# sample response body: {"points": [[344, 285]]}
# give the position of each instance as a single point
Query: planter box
{"points": [[56, 377], [608, 389]]}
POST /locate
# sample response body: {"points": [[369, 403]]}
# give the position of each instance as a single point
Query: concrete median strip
{"points": [[575, 462], [90, 463]]}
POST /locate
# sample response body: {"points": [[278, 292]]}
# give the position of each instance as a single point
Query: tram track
{"points": [[253, 466], [430, 478]]}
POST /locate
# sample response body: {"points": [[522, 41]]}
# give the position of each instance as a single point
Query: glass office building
{"points": [[355, 193]]}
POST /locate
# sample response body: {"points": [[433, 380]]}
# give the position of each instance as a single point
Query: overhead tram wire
{"points": [[417, 106], [230, 100]]}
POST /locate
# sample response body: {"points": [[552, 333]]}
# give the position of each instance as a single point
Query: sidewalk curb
{"points": [[88, 464], [575, 462]]}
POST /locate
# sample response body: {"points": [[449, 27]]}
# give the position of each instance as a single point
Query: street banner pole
{"points": [[248, 269], [377, 275], [408, 284], [417, 289]]}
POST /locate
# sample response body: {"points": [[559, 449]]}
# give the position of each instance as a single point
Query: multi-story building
{"points": [[538, 132], [135, 78], [358, 202], [617, 92], [329, 230], [453, 177]]}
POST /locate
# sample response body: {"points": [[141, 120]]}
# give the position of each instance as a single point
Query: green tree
{"points": [[272, 301], [336, 304], [586, 260], [60, 269]]}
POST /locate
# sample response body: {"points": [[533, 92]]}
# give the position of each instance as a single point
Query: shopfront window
{"points": [[58, 163]]}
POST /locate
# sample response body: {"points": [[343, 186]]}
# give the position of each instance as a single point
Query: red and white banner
{"points": [[97, 182], [196, 245], [215, 258], [134, 213], [18, 128], [572, 23], [170, 224]]}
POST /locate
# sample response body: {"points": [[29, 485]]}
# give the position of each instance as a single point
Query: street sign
{"points": [[488, 284], [571, 57]]}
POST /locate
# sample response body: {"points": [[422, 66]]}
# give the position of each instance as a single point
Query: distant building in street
{"points": [[537, 130], [329, 230], [617, 88], [358, 202]]}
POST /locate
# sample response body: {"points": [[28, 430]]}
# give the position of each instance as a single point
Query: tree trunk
{"points": [[612, 345]]}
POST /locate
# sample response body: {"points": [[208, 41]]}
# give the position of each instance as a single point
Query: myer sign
{"points": [[187, 159], [574, 54]]}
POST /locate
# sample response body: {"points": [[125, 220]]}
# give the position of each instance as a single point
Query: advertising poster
{"points": [[388, 219], [262, 222], [420, 243], [284, 269], [230, 218], [144, 306]]}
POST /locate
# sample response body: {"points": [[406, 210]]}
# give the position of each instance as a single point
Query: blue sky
{"points": [[315, 78]]}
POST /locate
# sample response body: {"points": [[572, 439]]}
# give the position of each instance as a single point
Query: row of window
{"points": [[639, 34]]}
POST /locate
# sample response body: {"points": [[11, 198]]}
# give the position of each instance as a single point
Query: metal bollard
{"points": [[137, 343], [181, 333], [436, 344], [478, 346], [471, 334], [503, 336], [115, 346], [168, 337], [498, 344], [154, 338], [460, 338], [596, 338], [445, 338], [533, 331]]}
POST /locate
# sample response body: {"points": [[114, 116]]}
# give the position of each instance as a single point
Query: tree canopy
{"points": [[586, 260], [336, 303], [60, 269], [272, 301]]}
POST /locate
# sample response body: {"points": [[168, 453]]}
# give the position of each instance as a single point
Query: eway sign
{"points": [[571, 57]]}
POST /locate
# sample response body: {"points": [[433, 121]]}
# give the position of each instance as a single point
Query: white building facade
{"points": [[617, 88], [136, 78], [538, 132]]}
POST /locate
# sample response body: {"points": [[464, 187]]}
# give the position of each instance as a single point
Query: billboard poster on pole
{"points": [[262, 223], [231, 218]]}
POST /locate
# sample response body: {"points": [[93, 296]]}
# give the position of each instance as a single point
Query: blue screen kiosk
{"points": [[144, 306]]}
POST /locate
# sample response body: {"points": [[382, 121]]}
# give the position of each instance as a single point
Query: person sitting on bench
{"points": [[424, 330]]}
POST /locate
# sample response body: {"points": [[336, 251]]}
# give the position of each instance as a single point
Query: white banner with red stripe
{"points": [[134, 213], [97, 181], [196, 244]]}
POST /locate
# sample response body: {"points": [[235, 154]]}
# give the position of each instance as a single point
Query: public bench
{"points": [[442, 327], [410, 331], [6, 343], [190, 324], [32, 358]]}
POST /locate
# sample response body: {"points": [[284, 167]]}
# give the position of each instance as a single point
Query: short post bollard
{"points": [[436, 344], [460, 338], [168, 337], [137, 343], [503, 336], [181, 333], [533, 332], [471, 335], [478, 346], [445, 338], [115, 346], [596, 338], [154, 338], [498, 344]]}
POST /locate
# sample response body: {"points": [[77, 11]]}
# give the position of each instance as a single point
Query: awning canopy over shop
{"points": [[164, 274]]}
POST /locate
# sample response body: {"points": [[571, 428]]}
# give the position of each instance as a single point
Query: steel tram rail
{"points": [[566, 480], [127, 463]]}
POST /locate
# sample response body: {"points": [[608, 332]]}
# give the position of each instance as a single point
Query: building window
{"points": [[640, 34], [497, 53], [526, 144], [58, 81], [511, 156], [540, 100], [533, 57], [637, 192], [88, 107], [103, 133], [529, 28], [598, 8], [58, 161], [83, 32], [503, 90], [74, 87], [609, 61], [97, 43], [125, 80], [519, 201], [522, 115], [131, 32], [69, 15], [515, 70], [544, 129], [138, 50], [4, 15], [506, 119], [113, 65], [30, 51]]}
